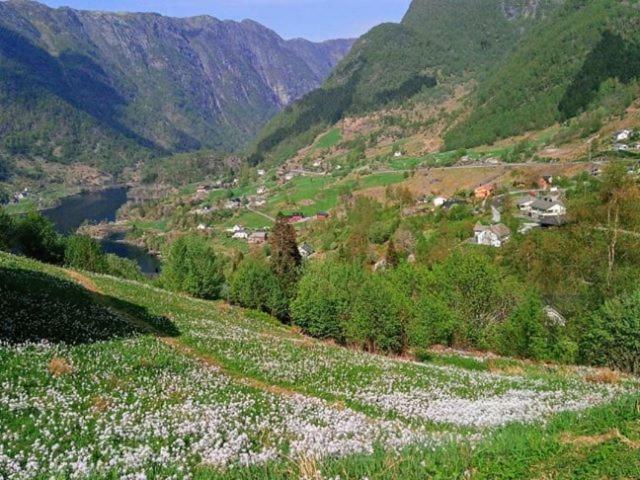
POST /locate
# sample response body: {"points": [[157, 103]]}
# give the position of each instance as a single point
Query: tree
{"points": [[379, 313], [392, 255], [613, 337], [254, 285], [524, 334], [285, 256], [37, 238], [84, 253], [324, 302], [193, 267]]}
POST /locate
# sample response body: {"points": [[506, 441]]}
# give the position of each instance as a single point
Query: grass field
{"points": [[329, 139], [115, 379]]}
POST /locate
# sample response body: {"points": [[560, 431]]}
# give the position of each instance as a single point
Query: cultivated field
{"points": [[136, 382]]}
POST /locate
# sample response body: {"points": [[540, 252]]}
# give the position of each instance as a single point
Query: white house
{"points": [[439, 201], [233, 204], [620, 147], [397, 154], [306, 250], [524, 204], [262, 190], [261, 173], [492, 235], [235, 229], [623, 135], [241, 235], [547, 207]]}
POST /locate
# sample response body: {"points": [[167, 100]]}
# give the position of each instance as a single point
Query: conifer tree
{"points": [[285, 256], [392, 255]]}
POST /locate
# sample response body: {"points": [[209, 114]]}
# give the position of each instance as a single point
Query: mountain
{"points": [[436, 43], [583, 60], [110, 88]]}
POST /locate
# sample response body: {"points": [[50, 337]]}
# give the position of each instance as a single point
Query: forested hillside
{"points": [[109, 89], [585, 58], [436, 43]]}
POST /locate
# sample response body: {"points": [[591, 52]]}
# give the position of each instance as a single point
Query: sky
{"points": [[312, 19]]}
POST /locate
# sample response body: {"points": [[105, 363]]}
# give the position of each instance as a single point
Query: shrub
{"points": [[84, 253], [37, 238], [193, 267], [254, 285], [6, 230], [123, 268]]}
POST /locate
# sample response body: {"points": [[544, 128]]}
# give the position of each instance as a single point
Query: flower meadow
{"points": [[115, 402]]}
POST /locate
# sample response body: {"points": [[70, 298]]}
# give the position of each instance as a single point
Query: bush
{"points": [[37, 238], [613, 338], [193, 267], [123, 268], [84, 253], [6, 230], [323, 305], [254, 285]]}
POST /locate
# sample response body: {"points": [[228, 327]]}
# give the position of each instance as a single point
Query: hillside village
{"points": [[225, 255]]}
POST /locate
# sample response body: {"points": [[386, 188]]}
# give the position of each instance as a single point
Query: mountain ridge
{"points": [[164, 84]]}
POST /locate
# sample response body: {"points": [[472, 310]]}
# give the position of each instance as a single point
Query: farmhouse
{"points": [[233, 204], [439, 201], [620, 147], [548, 207], [241, 235], [235, 228], [306, 250], [524, 204], [295, 217], [322, 215], [258, 238], [485, 191], [262, 190], [492, 235], [622, 135], [545, 182]]}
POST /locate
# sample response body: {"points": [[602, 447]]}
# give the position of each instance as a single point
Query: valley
{"points": [[229, 255]]}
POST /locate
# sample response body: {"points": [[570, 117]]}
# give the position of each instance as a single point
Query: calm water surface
{"points": [[94, 207]]}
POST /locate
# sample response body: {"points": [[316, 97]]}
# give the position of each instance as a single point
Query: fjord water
{"points": [[98, 206]]}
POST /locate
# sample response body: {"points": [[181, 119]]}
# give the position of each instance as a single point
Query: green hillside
{"points": [[150, 382], [437, 42], [585, 58]]}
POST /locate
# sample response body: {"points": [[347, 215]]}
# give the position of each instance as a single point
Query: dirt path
{"points": [[174, 342]]}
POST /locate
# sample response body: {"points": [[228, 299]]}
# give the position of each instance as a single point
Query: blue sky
{"points": [[312, 19]]}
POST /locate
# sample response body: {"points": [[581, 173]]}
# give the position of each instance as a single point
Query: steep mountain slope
{"points": [[585, 58], [78, 85], [436, 43]]}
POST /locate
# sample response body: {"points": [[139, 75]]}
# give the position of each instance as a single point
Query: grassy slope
{"points": [[112, 392]]}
